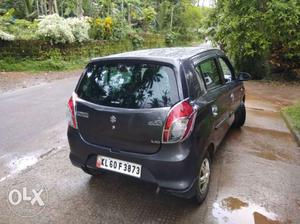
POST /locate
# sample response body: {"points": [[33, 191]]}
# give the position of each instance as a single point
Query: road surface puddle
{"points": [[232, 210], [271, 155], [17, 165], [22, 163]]}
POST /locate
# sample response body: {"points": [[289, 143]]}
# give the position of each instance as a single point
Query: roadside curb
{"points": [[288, 122]]}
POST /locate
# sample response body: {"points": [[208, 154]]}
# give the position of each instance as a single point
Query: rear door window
{"points": [[210, 73], [195, 84], [129, 85], [227, 71]]}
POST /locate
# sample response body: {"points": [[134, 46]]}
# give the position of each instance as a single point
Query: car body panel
{"points": [[134, 130], [173, 167]]}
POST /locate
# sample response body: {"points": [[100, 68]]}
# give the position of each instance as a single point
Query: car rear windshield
{"points": [[129, 85]]}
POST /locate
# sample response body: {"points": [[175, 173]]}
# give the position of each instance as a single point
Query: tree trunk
{"points": [[171, 20], [122, 9], [28, 7], [37, 7], [129, 14], [79, 8], [60, 8], [50, 7], [55, 6], [44, 7], [41, 7]]}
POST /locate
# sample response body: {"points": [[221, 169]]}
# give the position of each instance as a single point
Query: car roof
{"points": [[171, 54]]}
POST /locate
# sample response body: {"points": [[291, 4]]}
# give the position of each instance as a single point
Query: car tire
{"points": [[239, 116], [93, 172], [203, 180]]}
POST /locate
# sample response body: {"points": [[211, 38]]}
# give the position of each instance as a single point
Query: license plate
{"points": [[119, 166]]}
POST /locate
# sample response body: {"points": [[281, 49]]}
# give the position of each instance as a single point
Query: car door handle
{"points": [[214, 110]]}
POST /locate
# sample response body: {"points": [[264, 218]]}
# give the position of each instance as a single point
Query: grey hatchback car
{"points": [[157, 115]]}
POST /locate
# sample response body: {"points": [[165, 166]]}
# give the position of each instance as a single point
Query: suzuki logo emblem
{"points": [[113, 119]]}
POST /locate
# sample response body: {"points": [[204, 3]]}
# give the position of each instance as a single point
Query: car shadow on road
{"points": [[126, 199], [130, 200]]}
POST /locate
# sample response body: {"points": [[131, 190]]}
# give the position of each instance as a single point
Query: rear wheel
{"points": [[93, 172], [202, 184], [239, 116]]}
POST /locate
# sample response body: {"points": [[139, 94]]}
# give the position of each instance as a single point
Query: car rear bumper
{"points": [[173, 168]]}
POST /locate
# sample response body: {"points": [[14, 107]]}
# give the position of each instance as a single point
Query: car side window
{"points": [[227, 72], [210, 73]]}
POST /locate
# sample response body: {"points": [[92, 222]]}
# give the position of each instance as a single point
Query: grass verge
{"points": [[29, 65], [291, 115]]}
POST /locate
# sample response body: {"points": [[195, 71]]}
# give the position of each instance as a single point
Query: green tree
{"points": [[148, 17], [251, 30], [283, 25], [189, 20]]}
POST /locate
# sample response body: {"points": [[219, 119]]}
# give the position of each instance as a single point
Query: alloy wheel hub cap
{"points": [[204, 176]]}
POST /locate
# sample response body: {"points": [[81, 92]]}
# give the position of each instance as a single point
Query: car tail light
{"points": [[179, 123], [71, 111]]}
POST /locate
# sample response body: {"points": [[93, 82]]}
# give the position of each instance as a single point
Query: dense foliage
{"points": [[79, 28], [40, 55], [6, 36], [258, 35], [261, 36], [55, 29], [104, 19]]}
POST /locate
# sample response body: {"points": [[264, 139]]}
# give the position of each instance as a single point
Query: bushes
{"points": [[101, 28], [24, 55], [283, 23], [41, 50], [258, 35], [4, 21], [23, 29], [137, 41], [79, 28], [170, 39], [55, 29], [108, 28], [148, 18], [20, 29], [6, 36], [190, 22]]}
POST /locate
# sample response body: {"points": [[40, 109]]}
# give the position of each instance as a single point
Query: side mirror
{"points": [[244, 76]]}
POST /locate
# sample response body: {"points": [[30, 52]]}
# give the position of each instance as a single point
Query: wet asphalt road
{"points": [[32, 123], [255, 176]]}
